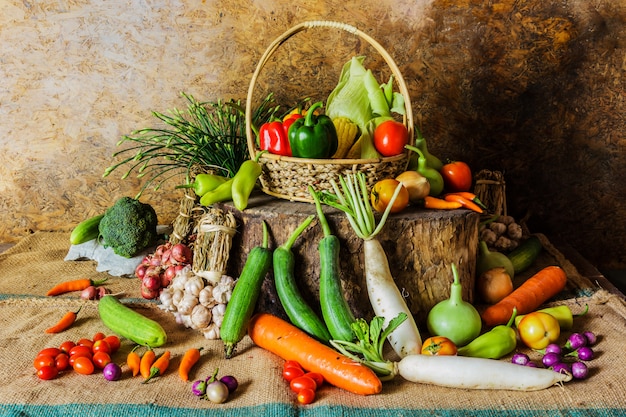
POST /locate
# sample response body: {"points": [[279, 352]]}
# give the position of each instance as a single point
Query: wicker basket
{"points": [[289, 177]]}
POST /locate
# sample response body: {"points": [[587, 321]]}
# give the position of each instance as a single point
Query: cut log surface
{"points": [[420, 246]]}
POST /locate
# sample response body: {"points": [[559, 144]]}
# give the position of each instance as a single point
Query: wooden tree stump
{"points": [[420, 246]]}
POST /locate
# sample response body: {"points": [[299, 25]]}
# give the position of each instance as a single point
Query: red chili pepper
{"points": [[273, 136]]}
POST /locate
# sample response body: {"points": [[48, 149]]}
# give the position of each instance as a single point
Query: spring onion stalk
{"points": [[386, 299]]}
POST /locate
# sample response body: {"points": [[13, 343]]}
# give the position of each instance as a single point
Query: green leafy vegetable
{"points": [[368, 349]]}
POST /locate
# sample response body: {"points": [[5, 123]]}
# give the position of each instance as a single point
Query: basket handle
{"points": [[408, 116]]}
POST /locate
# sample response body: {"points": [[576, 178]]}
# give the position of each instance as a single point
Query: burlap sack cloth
{"points": [[36, 263]]}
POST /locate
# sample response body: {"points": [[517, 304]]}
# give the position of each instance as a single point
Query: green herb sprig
{"points": [[208, 134]]}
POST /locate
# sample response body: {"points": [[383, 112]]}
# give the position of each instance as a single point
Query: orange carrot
{"points": [[290, 343], [66, 321], [159, 367], [440, 204], [468, 204], [133, 360], [535, 291], [74, 285], [147, 360], [187, 362]]}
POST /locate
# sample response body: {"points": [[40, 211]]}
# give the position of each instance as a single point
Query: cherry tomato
{"points": [[98, 336], [101, 346], [291, 364], [438, 345], [537, 330], [62, 361], [51, 351], [390, 138], [302, 382], [78, 349], [292, 372], [383, 191], [72, 359], [43, 360], [317, 377], [306, 396], [85, 342], [114, 342], [67, 346], [47, 372], [457, 176], [83, 365], [101, 359]]}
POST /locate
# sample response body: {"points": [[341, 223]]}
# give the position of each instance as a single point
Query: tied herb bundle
{"points": [[208, 134]]}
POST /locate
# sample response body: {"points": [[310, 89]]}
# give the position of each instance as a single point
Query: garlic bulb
{"points": [[187, 304], [200, 317], [206, 297], [218, 313], [212, 332], [194, 285]]}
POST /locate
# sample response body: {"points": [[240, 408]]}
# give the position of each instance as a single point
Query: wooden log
{"points": [[420, 246]]}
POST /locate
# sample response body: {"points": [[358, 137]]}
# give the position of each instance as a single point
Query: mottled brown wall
{"points": [[533, 89]]}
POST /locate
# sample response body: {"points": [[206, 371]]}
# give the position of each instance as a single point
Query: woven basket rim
{"points": [[315, 24]]}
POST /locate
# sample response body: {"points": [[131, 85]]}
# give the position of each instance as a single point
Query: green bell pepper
{"points": [[313, 136]]}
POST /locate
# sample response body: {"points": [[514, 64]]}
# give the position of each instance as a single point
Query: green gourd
{"points": [[491, 259], [455, 318]]}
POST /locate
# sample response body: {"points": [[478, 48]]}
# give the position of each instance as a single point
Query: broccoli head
{"points": [[128, 227]]}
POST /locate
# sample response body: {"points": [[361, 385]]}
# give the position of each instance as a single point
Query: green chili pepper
{"points": [[244, 181], [432, 175], [203, 183], [563, 314], [223, 192], [313, 136], [496, 343]]}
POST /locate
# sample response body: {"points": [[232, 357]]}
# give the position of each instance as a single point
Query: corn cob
{"points": [[346, 135], [355, 150]]}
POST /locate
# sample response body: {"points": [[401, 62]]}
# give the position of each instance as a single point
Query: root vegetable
{"points": [[493, 285], [477, 373]]}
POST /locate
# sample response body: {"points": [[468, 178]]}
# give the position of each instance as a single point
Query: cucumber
{"points": [[86, 230], [335, 309], [130, 324], [245, 295], [299, 312], [525, 254]]}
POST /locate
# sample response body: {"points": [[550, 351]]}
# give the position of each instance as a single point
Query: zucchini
{"points": [[299, 312], [86, 230], [525, 254], [245, 295], [335, 309], [130, 324]]}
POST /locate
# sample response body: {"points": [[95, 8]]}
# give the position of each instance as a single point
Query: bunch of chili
{"points": [[313, 136]]}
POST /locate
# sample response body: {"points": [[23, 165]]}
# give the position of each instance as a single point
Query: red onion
{"points": [[140, 271], [181, 253], [151, 282], [148, 293], [89, 293]]}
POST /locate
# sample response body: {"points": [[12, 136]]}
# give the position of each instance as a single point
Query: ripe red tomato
{"points": [[457, 176], [114, 342], [306, 396], [101, 346], [292, 372], [83, 365], [383, 191], [101, 359], [302, 382], [47, 372], [98, 336], [62, 361], [51, 351], [438, 345], [67, 346], [43, 360], [317, 377], [390, 138], [537, 330]]}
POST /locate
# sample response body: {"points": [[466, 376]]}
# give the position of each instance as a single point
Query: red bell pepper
{"points": [[273, 136]]}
